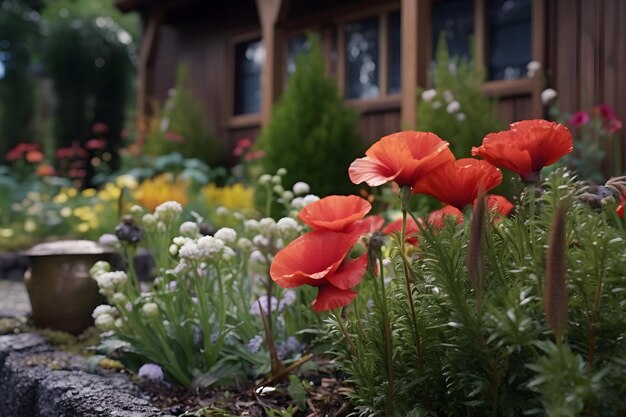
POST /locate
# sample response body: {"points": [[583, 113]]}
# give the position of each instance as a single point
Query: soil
{"points": [[325, 396]]}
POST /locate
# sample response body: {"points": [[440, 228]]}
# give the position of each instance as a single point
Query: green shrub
{"points": [[455, 108], [311, 133], [181, 126]]}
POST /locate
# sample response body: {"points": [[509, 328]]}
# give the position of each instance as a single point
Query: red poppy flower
{"points": [[411, 232], [620, 208], [100, 128], [578, 119], [20, 150], [500, 204], [335, 212], [437, 218], [527, 147], [458, 183], [318, 259], [403, 157], [311, 257]]}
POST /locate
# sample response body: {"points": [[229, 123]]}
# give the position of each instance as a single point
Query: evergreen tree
{"points": [[311, 133]]}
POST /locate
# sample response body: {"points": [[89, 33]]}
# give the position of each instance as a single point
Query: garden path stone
{"points": [[14, 301], [37, 382]]}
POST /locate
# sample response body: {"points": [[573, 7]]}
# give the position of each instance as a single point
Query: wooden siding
{"points": [[587, 55], [579, 42]]}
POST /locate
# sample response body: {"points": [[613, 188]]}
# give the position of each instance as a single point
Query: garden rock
{"points": [[36, 382]]}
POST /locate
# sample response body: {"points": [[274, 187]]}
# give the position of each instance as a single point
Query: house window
{"points": [[507, 31], [454, 20], [296, 45], [509, 38], [249, 58], [370, 52], [362, 58], [395, 53]]}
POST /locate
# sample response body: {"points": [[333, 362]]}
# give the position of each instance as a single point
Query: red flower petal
{"points": [[404, 157], [335, 212], [437, 217], [330, 297], [458, 183], [412, 230], [366, 226], [499, 204], [311, 257], [349, 274], [527, 147]]}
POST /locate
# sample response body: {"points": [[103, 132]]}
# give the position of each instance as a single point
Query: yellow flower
{"points": [[160, 189], [83, 227], [30, 225], [126, 181], [234, 197], [89, 192], [6, 232], [66, 212], [60, 198]]}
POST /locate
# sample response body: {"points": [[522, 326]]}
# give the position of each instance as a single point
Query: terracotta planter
{"points": [[62, 293]]}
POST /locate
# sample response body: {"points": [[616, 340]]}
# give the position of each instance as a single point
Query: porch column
{"points": [[415, 55], [146, 55], [269, 11]]}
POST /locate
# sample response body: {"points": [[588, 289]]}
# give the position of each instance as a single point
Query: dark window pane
{"points": [[249, 57], [362, 59], [394, 53], [509, 38], [455, 18], [296, 45]]}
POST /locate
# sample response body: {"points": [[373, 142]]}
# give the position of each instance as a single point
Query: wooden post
{"points": [[269, 11], [146, 54], [415, 56], [539, 55]]}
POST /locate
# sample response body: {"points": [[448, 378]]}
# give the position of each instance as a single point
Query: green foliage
{"points": [[455, 109], [311, 133], [493, 353], [19, 33], [181, 127]]}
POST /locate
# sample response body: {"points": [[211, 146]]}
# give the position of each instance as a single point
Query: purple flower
{"points": [[151, 371], [579, 118], [255, 344], [266, 302]]}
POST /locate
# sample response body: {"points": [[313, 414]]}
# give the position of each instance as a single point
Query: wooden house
{"points": [[240, 53]]}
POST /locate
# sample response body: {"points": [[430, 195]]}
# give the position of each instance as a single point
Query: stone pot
{"points": [[62, 293]]}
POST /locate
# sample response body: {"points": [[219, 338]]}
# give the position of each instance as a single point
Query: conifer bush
{"points": [[311, 133]]}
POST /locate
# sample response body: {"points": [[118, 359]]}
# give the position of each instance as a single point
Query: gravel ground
{"points": [[13, 298]]}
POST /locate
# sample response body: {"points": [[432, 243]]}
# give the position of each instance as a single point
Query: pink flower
{"points": [[95, 144], [612, 123], [578, 119], [100, 128]]}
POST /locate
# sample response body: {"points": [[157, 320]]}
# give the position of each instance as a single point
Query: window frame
{"points": [[243, 120], [384, 99]]}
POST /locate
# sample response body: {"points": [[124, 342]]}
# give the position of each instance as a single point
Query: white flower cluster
{"points": [[532, 67], [109, 282], [105, 317], [548, 95], [168, 212], [453, 107]]}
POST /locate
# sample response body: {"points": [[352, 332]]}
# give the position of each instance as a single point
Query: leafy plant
{"points": [[311, 133], [455, 108], [181, 126]]}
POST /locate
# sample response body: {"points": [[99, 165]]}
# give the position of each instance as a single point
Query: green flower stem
{"points": [[346, 335], [388, 339], [409, 292], [205, 322]]}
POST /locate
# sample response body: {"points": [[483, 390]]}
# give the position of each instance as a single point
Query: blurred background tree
{"points": [[19, 34]]}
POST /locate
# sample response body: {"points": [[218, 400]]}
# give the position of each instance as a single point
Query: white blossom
{"points": [[212, 244], [192, 251], [287, 196], [245, 244], [104, 309], [453, 107], [428, 95], [228, 253], [267, 225], [301, 188], [448, 96], [173, 250], [118, 298], [261, 241], [297, 203], [251, 225], [104, 322], [168, 211], [257, 258], [287, 226], [460, 117], [150, 309], [548, 95], [532, 67], [181, 240], [226, 234], [278, 189], [99, 268], [311, 198], [161, 227], [436, 104], [265, 179], [282, 171], [189, 229], [277, 180], [222, 211], [149, 221]]}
